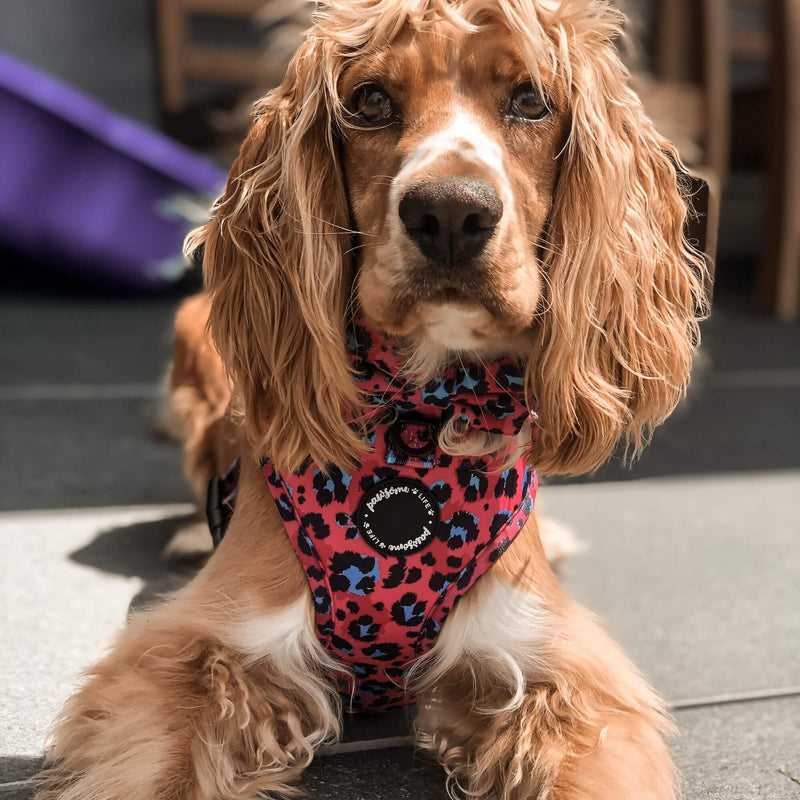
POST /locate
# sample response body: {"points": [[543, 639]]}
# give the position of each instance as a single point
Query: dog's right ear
{"points": [[276, 266]]}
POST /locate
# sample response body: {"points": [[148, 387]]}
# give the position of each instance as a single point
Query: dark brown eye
{"points": [[372, 105], [528, 103]]}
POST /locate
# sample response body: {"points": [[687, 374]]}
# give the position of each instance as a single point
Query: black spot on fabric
{"points": [[342, 645], [375, 689], [498, 550], [322, 600], [382, 651], [397, 572], [501, 406], [285, 508], [364, 670], [315, 524], [315, 573], [466, 576], [472, 479], [414, 574], [364, 629], [304, 546], [331, 487], [507, 484], [498, 521], [385, 473], [408, 610], [352, 572], [437, 581], [366, 482], [442, 492], [429, 629]]}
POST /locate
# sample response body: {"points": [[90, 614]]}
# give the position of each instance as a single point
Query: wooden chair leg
{"points": [[171, 40], [779, 273]]}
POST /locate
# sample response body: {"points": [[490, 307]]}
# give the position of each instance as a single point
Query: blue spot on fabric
{"points": [[468, 382], [354, 576], [440, 392]]}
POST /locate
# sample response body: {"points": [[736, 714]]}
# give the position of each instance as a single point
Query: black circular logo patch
{"points": [[398, 516]]}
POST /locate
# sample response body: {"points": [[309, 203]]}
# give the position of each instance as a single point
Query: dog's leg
{"points": [[525, 697], [222, 693]]}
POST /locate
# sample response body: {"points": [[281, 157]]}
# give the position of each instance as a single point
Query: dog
{"points": [[453, 247]]}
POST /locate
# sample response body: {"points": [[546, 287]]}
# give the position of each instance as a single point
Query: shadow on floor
{"points": [[138, 551], [355, 775]]}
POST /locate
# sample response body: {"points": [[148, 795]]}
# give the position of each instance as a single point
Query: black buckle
{"points": [[220, 500], [427, 448], [216, 512]]}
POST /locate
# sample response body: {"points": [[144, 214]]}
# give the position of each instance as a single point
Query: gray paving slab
{"points": [[673, 566], [745, 751], [78, 453], [18, 768], [84, 340], [698, 577], [736, 337], [719, 429], [58, 609], [396, 774]]}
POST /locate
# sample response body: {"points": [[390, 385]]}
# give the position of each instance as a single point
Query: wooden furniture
{"points": [[779, 272], [181, 60], [696, 42], [688, 97]]}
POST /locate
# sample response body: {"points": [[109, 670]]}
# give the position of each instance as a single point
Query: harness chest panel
{"points": [[389, 547]]}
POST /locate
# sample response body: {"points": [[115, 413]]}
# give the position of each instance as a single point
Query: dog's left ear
{"points": [[277, 268], [624, 288]]}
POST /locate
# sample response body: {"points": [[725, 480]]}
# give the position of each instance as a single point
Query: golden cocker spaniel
{"points": [[461, 188]]}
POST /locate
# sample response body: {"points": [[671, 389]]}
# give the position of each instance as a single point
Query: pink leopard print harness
{"points": [[390, 547]]}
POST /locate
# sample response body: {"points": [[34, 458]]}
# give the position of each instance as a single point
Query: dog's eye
{"points": [[528, 103], [372, 105]]}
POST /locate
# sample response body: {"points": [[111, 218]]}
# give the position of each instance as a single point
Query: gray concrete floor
{"points": [[692, 557]]}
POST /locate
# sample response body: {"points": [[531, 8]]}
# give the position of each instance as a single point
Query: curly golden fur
{"points": [[224, 691]]}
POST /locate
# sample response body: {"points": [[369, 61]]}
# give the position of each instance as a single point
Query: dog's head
{"points": [[479, 179]]}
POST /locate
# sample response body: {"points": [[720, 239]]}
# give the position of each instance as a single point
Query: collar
{"points": [[489, 395]]}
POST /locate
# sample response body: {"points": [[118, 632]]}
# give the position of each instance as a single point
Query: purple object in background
{"points": [[87, 190]]}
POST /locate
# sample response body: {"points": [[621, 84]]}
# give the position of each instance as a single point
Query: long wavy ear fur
{"points": [[624, 289], [276, 268]]}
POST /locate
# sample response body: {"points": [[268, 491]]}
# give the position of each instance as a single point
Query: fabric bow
{"points": [[489, 395]]}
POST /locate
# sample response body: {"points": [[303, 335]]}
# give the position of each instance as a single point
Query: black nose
{"points": [[451, 219]]}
